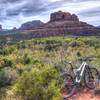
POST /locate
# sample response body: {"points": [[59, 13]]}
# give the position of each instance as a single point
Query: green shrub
{"points": [[51, 45], [7, 62], [7, 75], [6, 50], [38, 84], [27, 59]]}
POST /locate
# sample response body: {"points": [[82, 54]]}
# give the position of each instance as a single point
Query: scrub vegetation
{"points": [[29, 69]]}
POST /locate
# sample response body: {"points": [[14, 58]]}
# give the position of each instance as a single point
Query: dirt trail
{"points": [[85, 95]]}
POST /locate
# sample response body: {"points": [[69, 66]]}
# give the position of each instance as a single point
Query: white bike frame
{"points": [[81, 69]]}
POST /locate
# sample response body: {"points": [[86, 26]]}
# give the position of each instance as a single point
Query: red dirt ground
{"points": [[85, 95]]}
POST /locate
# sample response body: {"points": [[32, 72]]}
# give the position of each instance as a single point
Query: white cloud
{"points": [[87, 10], [54, 0]]}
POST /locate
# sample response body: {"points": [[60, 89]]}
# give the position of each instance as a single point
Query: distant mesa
{"points": [[31, 25], [0, 27]]}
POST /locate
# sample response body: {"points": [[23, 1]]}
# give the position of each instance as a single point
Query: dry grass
{"points": [[11, 98]]}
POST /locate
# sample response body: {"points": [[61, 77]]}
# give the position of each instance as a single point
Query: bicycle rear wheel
{"points": [[91, 78], [68, 89]]}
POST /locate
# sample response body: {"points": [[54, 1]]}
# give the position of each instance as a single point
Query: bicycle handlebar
{"points": [[85, 59]]}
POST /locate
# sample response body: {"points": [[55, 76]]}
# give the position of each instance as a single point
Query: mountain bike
{"points": [[85, 73]]}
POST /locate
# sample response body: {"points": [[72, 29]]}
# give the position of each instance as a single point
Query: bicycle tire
{"points": [[89, 78], [69, 86], [74, 89]]}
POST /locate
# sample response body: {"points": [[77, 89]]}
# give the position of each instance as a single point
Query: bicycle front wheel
{"points": [[68, 88], [91, 78]]}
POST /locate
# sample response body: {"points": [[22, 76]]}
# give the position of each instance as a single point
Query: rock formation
{"points": [[63, 16], [0, 27], [66, 23], [31, 25], [60, 24]]}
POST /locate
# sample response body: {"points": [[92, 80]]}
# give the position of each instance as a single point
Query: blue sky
{"points": [[15, 12]]}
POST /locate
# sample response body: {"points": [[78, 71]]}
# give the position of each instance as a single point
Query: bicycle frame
{"points": [[80, 72]]}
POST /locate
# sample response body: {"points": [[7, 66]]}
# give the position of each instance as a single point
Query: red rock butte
{"points": [[63, 16], [65, 23], [60, 24], [68, 24]]}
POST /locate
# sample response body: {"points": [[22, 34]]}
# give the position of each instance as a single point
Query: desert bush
{"points": [[7, 62], [7, 76], [38, 84], [6, 50], [26, 59], [51, 45]]}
